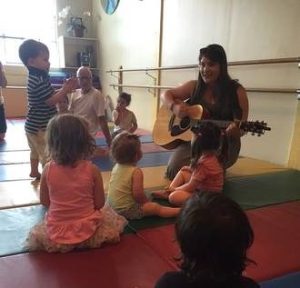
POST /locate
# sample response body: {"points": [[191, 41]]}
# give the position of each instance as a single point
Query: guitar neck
{"points": [[223, 124]]}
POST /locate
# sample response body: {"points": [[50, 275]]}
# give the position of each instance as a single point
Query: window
{"points": [[21, 20]]}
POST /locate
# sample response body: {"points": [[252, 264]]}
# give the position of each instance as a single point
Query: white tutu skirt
{"points": [[108, 231]]}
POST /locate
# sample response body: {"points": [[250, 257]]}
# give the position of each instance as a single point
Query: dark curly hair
{"points": [[31, 49], [124, 148], [208, 138], [214, 235], [68, 139], [126, 97]]}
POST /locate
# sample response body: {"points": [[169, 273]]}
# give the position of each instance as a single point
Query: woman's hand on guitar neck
{"points": [[233, 130]]}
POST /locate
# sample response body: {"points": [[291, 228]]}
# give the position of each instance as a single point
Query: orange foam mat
{"points": [[276, 248], [130, 263]]}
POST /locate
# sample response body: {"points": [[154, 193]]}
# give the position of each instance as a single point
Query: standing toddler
{"points": [[42, 99]]}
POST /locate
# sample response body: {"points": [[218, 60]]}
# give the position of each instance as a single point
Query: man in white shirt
{"points": [[89, 103]]}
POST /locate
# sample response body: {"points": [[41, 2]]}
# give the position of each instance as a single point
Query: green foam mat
{"points": [[262, 190]]}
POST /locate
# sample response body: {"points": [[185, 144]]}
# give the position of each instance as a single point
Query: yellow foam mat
{"points": [[249, 167]]}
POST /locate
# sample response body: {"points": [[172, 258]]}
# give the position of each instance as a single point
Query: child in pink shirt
{"points": [[205, 172], [72, 190]]}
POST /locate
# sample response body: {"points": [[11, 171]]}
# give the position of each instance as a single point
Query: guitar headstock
{"points": [[255, 127]]}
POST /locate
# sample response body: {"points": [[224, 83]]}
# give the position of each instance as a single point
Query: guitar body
{"points": [[161, 131]]}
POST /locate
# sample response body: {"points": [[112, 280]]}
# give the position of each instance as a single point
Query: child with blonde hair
{"points": [[72, 190], [126, 189]]}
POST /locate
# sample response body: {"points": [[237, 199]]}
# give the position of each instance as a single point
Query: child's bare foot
{"points": [[162, 194], [36, 175]]}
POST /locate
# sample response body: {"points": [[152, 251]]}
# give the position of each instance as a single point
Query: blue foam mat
{"points": [[148, 160], [291, 280], [21, 171], [144, 139], [20, 144], [16, 223]]}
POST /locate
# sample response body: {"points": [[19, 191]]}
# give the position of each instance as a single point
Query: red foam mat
{"points": [[276, 248], [139, 260], [130, 263]]}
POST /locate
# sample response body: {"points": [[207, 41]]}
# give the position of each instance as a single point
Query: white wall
{"points": [[248, 30], [130, 37]]}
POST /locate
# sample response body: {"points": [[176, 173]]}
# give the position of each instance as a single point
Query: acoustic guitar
{"points": [[170, 131]]}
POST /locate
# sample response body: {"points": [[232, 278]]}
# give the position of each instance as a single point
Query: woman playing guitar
{"points": [[222, 97]]}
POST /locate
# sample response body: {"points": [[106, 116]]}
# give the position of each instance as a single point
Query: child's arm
{"points": [[134, 125], [59, 95], [99, 197], [116, 116], [197, 176], [189, 186], [44, 191], [138, 186], [105, 129], [3, 81]]}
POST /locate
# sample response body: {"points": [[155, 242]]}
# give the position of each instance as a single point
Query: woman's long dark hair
{"points": [[214, 235], [224, 88]]}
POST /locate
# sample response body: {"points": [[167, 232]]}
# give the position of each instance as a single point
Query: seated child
{"points": [[72, 190], [123, 118], [126, 189], [63, 105], [214, 234], [205, 172]]}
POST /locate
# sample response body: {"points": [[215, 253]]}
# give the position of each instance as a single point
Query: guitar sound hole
{"points": [[185, 123]]}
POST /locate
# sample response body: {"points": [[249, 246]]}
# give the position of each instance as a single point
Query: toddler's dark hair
{"points": [[31, 49], [214, 235], [68, 139], [126, 97], [124, 148], [208, 138]]}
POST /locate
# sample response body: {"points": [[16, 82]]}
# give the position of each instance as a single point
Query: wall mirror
{"points": [[109, 6]]}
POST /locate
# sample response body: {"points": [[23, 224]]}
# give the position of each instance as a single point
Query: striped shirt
{"points": [[38, 91]]}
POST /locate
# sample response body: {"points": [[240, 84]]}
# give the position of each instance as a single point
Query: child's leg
{"points": [[34, 168], [151, 208], [3, 126], [178, 197], [34, 156], [41, 147]]}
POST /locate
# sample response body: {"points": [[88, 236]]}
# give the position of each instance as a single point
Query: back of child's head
{"points": [[208, 138], [31, 49], [214, 234], [68, 139], [126, 97], [125, 148]]}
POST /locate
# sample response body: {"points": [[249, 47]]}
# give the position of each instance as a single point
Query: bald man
{"points": [[89, 103]]}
